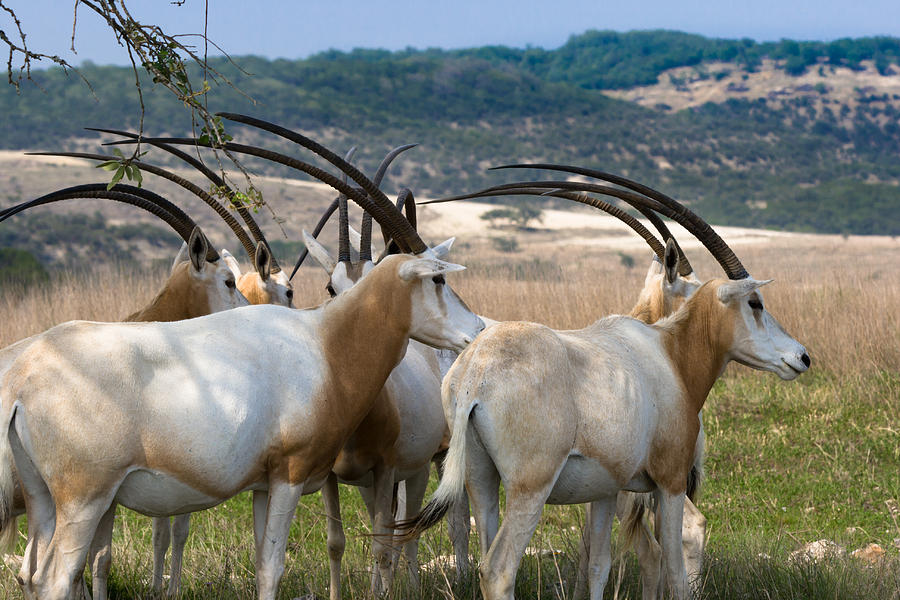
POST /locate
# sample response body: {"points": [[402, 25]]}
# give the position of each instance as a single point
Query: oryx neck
{"points": [[176, 301], [696, 339], [365, 331]]}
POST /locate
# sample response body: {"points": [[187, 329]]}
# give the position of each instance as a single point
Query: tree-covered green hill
{"points": [[824, 163]]}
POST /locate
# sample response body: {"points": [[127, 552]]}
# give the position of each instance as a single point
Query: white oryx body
{"points": [[194, 412], [664, 291], [194, 288], [259, 286], [577, 416]]}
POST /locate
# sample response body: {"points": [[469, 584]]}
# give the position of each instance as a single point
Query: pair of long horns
{"points": [[223, 212], [370, 198], [638, 195], [404, 200], [142, 198]]}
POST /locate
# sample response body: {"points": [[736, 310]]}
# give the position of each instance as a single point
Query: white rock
{"points": [[817, 551]]}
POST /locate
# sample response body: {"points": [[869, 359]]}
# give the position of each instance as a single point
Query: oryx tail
{"points": [[452, 487]]}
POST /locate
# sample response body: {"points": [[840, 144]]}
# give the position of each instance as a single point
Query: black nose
{"points": [[805, 359]]}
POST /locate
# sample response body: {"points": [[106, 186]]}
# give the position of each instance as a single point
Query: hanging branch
{"points": [[165, 58]]}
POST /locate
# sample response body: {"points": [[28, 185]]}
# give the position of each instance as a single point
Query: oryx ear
{"points": [[231, 262], [671, 261], [730, 291], [181, 256], [198, 247], [262, 260], [318, 252], [420, 268], [441, 250]]}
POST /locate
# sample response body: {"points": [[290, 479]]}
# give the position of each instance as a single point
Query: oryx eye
{"points": [[290, 294], [330, 290], [755, 304], [438, 280], [229, 283]]}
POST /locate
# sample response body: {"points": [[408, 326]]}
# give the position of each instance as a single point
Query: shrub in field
{"points": [[19, 268]]}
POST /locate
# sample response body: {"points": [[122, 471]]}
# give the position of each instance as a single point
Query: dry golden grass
{"points": [[841, 299]]}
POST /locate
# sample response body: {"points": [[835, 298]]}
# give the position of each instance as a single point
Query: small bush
{"points": [[20, 268], [505, 244]]}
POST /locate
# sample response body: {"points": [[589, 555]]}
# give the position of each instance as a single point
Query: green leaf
{"points": [[110, 165], [117, 177]]}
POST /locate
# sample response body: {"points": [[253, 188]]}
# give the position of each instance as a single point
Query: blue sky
{"points": [[299, 28]]}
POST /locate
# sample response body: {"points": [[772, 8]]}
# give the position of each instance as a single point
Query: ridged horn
{"points": [[628, 196], [612, 210], [355, 174], [405, 201], [382, 210], [365, 229], [142, 198], [344, 218], [243, 238], [684, 216], [242, 211]]}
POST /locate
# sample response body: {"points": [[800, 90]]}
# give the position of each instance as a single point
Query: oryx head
{"points": [[665, 289], [758, 340], [262, 285], [206, 286]]}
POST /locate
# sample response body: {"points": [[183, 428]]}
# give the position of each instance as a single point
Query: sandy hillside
{"points": [[684, 87], [298, 204]]}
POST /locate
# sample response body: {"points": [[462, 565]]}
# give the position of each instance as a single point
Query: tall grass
{"points": [[787, 463]]}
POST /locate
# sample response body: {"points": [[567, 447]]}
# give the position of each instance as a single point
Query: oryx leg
{"points": [[280, 507], [499, 566], [368, 496], [101, 554], [670, 512], [384, 517], [259, 503], [415, 494], [693, 540], [41, 514], [60, 569], [599, 560], [181, 526], [581, 575], [161, 536], [336, 539], [483, 489]]}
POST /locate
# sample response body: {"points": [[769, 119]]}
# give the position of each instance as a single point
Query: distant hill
{"points": [[792, 135]]}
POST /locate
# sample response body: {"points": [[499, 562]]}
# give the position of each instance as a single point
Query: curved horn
{"points": [[407, 202], [343, 231], [344, 218], [382, 210], [243, 238], [153, 203], [614, 211], [365, 229], [699, 228], [369, 186], [324, 218], [245, 215], [630, 197]]}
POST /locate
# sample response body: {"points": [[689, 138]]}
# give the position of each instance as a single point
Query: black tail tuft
{"points": [[430, 516]]}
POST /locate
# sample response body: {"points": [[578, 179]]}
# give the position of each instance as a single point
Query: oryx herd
{"points": [[221, 386]]}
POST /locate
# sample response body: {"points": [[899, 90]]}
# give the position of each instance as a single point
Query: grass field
{"points": [[787, 462]]}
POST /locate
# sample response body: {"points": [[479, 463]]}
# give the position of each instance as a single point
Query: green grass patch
{"points": [[787, 464]]}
